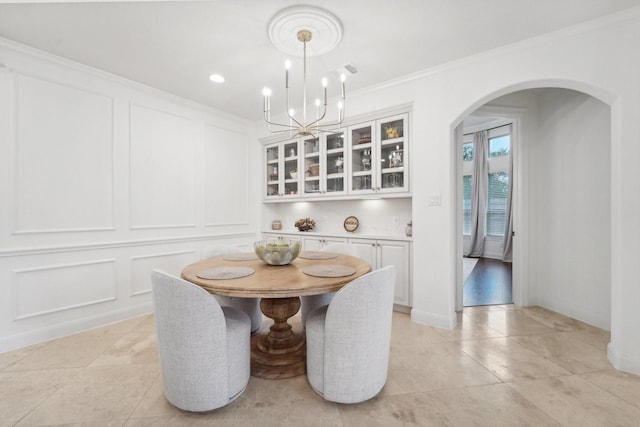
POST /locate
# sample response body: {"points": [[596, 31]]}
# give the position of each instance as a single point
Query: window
{"points": [[497, 203], [499, 146], [467, 152], [499, 140]]}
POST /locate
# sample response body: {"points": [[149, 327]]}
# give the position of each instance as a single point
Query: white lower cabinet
{"points": [[315, 243], [381, 253], [377, 252]]}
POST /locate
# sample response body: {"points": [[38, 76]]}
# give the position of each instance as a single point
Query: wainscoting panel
{"points": [[162, 169], [51, 288], [226, 176], [63, 158], [141, 267]]}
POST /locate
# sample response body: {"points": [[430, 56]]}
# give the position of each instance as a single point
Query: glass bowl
{"points": [[277, 252]]}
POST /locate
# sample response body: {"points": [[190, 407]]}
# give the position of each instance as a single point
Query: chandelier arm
{"points": [[294, 120], [314, 123], [277, 124]]}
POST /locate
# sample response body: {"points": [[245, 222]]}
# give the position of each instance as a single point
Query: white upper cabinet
{"points": [[368, 158]]}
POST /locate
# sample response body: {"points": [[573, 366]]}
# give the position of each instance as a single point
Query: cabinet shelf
{"points": [[361, 146], [392, 141], [399, 169]]}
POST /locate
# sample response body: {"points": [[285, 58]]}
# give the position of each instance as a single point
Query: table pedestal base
{"points": [[280, 353]]}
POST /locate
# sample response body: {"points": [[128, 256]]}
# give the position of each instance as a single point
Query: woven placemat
{"points": [[329, 270], [317, 255], [223, 273], [244, 256]]}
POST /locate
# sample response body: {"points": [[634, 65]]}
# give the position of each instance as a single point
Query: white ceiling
{"points": [[175, 45]]}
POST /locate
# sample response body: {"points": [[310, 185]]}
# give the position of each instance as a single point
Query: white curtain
{"points": [[508, 229], [479, 191]]}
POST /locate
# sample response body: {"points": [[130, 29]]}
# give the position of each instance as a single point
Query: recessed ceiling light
{"points": [[216, 78]]}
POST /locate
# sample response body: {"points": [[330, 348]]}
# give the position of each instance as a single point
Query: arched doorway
{"points": [[562, 214]]}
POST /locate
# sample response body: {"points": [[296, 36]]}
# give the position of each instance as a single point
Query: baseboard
{"points": [[431, 319], [78, 325], [401, 308], [621, 363]]}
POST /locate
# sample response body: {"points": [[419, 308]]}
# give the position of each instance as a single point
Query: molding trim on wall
{"points": [[77, 325], [121, 244], [15, 292], [15, 137], [133, 259], [193, 137]]}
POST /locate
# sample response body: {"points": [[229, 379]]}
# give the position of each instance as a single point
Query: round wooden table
{"points": [[280, 353]]}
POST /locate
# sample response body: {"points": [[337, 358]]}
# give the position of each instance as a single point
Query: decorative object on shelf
{"points": [[305, 224], [314, 169], [274, 174], [364, 139], [395, 158], [276, 224], [408, 230], [279, 252], [392, 132], [293, 173], [351, 224], [366, 162], [292, 152], [303, 19], [339, 164]]}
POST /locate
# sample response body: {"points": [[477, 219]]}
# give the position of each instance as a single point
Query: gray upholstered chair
{"points": [[251, 306], [311, 302], [204, 349], [348, 341]]}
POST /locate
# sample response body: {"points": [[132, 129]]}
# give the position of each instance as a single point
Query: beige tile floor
{"points": [[502, 366]]}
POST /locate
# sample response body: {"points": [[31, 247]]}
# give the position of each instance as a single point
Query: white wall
{"points": [[103, 180], [570, 206]]}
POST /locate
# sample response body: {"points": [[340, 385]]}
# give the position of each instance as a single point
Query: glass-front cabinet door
{"points": [[335, 164], [392, 151], [272, 170], [282, 169], [363, 158], [291, 168], [311, 166]]}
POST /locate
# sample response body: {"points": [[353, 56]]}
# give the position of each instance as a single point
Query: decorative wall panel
{"points": [[141, 267], [52, 288], [226, 175], [63, 170], [162, 169]]}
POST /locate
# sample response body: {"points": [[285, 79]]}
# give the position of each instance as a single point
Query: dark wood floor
{"points": [[489, 283]]}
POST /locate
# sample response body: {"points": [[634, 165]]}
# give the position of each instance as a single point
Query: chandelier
{"points": [[305, 20]]}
